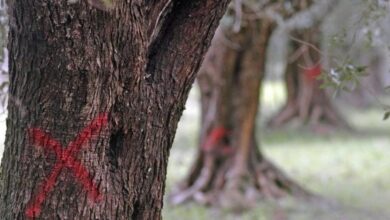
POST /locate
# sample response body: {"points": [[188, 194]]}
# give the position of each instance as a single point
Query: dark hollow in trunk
{"points": [[306, 101], [133, 64], [229, 169]]}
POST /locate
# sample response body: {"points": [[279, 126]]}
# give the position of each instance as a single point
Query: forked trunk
{"points": [[95, 97]]}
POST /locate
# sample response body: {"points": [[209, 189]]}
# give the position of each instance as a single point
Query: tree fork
{"points": [[69, 62]]}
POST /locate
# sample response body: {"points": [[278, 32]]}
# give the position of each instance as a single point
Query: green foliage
{"points": [[344, 77], [368, 17], [386, 115], [363, 33]]}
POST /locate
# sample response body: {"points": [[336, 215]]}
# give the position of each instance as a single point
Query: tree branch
{"points": [[306, 18]]}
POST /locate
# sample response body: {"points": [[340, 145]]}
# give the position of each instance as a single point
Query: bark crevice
{"points": [[116, 147]]}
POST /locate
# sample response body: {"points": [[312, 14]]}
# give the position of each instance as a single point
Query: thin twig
{"points": [[307, 44]]}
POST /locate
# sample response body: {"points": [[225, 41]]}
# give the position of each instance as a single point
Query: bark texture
{"points": [[71, 62], [306, 101], [229, 169]]}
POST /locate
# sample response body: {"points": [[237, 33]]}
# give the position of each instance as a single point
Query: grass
{"points": [[351, 169]]}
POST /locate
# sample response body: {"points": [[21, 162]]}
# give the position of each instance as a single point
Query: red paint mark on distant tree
{"points": [[313, 72], [214, 141], [65, 159]]}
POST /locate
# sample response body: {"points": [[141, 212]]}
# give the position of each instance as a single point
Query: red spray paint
{"points": [[313, 72], [214, 139], [65, 159]]}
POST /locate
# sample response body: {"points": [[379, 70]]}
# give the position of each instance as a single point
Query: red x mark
{"points": [[214, 139], [65, 158]]}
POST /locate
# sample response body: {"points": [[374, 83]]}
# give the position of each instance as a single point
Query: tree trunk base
{"points": [[321, 119], [218, 182]]}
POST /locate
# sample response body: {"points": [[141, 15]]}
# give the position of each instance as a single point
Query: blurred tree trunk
{"points": [[306, 101], [229, 167], [69, 63]]}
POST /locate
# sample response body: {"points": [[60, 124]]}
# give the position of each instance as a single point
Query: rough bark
{"points": [[229, 169], [306, 101], [71, 62]]}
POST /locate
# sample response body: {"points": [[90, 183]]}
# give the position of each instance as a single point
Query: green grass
{"points": [[350, 169]]}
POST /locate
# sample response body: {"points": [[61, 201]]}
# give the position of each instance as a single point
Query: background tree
{"points": [[133, 64], [3, 57], [306, 100], [229, 169]]}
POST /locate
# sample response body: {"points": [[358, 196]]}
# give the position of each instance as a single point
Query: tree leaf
{"points": [[386, 115]]}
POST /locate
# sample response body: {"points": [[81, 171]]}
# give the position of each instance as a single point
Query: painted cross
{"points": [[214, 139], [65, 159]]}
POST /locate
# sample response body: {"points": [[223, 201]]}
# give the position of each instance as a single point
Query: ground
{"points": [[350, 169]]}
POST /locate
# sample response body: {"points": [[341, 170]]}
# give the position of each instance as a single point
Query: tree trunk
{"points": [[306, 101], [95, 97], [229, 167]]}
